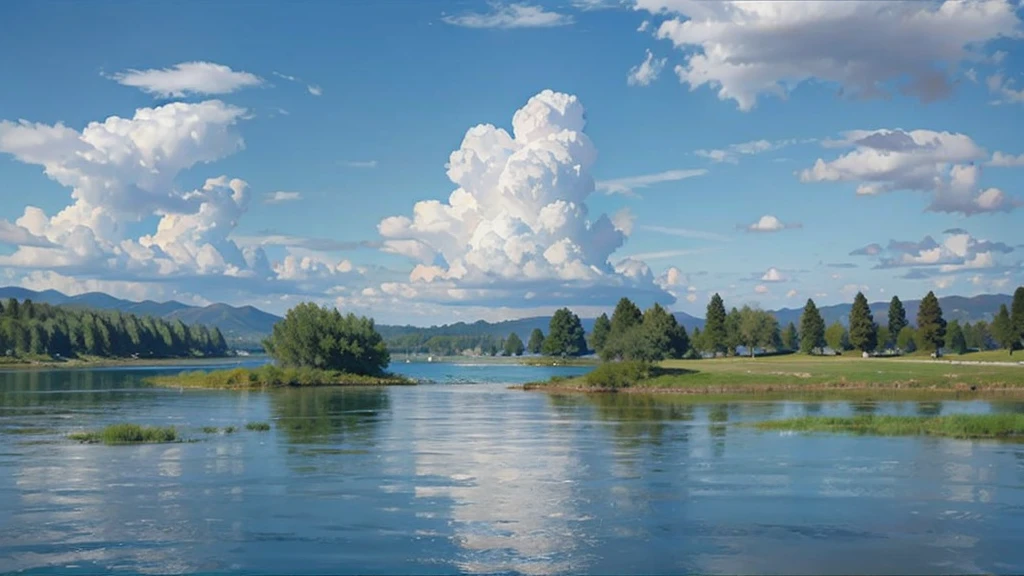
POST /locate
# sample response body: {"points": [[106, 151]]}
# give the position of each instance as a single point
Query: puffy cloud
{"points": [[773, 275], [629, 184], [958, 251], [188, 78], [510, 16], [746, 49], [769, 223], [518, 223], [1006, 160], [920, 160], [281, 196], [647, 71]]}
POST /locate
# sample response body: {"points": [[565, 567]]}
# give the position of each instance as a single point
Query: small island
{"points": [[311, 346]]}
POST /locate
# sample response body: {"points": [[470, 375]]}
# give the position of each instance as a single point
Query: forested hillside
{"points": [[31, 329]]}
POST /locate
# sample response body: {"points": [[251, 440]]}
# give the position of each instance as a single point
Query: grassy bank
{"points": [[966, 426], [128, 434], [792, 373], [269, 376], [47, 362], [558, 361]]}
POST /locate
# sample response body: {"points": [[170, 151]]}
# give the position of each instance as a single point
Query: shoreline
{"points": [[76, 363], [769, 389]]}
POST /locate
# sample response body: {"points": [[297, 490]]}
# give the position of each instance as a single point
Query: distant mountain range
{"points": [[247, 323], [237, 323]]}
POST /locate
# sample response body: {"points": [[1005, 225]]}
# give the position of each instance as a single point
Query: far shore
{"points": [[99, 362]]}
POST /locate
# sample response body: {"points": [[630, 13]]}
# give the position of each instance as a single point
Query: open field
{"points": [[269, 376], [966, 426], [801, 373]]}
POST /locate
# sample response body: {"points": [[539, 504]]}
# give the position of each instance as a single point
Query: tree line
{"points": [[33, 329]]}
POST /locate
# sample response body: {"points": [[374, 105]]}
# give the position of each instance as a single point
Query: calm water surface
{"points": [[464, 475]]}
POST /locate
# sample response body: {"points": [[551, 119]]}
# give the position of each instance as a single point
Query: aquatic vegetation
{"points": [[953, 426], [128, 434], [270, 376], [258, 426], [229, 430], [210, 429]]}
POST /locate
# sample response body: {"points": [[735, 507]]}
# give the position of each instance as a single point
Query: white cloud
{"points": [[942, 163], [944, 282], [315, 90], [281, 196], [1004, 90], [644, 26], [747, 49], [647, 71], [518, 222], [360, 163], [665, 254], [959, 251], [761, 289], [511, 16], [687, 233], [792, 294], [1006, 160], [591, 5], [769, 223], [773, 275], [188, 78], [629, 184], [623, 221], [731, 153]]}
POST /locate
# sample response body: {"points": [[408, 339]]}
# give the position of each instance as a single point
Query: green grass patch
{"points": [[269, 376], [230, 430], [964, 426], [128, 434], [210, 429], [258, 426], [796, 373]]}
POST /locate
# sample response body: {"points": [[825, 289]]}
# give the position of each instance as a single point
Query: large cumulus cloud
{"points": [[517, 227]]}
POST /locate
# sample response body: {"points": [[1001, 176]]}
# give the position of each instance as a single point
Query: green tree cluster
{"points": [[28, 328], [314, 337], [513, 346], [536, 342], [565, 335], [648, 336]]}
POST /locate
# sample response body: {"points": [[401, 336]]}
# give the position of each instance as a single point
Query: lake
{"points": [[463, 475]]}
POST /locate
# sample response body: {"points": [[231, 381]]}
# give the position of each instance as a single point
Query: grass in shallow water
{"points": [[257, 426], [964, 426], [128, 434]]}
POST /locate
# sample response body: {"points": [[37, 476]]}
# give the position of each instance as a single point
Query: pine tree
{"points": [[1017, 313], [955, 334], [714, 335], [599, 336], [565, 335], [790, 339], [931, 327], [1003, 330], [536, 341], [863, 332], [732, 331], [513, 345], [897, 317], [812, 329]]}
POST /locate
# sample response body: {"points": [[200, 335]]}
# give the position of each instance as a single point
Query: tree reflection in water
{"points": [[322, 415], [641, 418]]}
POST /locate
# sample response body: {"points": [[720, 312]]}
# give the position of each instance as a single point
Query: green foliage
{"points": [[626, 316], [258, 426], [514, 346], [715, 336], [790, 338], [836, 337], [536, 342], [697, 341], [599, 336], [931, 327], [658, 336], [270, 376], [1003, 330], [27, 328], [128, 434], [313, 337], [883, 340], [1017, 313], [732, 331], [565, 335], [955, 335], [812, 329], [962, 426], [618, 374], [863, 331], [210, 430], [752, 329], [906, 340], [897, 316]]}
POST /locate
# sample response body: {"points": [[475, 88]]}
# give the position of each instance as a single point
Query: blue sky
{"points": [[259, 153]]}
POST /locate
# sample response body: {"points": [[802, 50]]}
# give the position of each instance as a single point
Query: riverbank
{"points": [[47, 363], [793, 374], [496, 360], [270, 376]]}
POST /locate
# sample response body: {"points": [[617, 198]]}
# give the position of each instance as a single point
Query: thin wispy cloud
{"points": [[663, 254], [313, 89], [509, 16], [629, 184], [360, 163], [281, 196], [687, 233]]}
